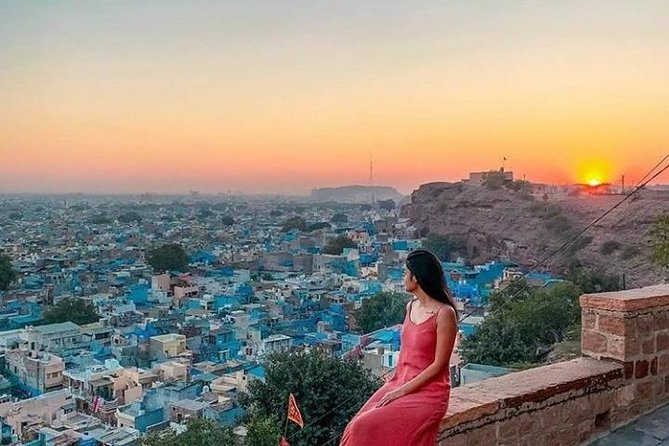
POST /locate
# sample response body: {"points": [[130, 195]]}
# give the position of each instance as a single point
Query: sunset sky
{"points": [[284, 96]]}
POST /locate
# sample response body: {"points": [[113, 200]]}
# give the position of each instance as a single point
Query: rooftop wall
{"points": [[624, 372]]}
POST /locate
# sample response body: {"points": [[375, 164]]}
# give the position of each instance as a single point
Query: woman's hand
{"points": [[389, 397]]}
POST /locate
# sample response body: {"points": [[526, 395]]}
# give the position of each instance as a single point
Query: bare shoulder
{"points": [[446, 315]]}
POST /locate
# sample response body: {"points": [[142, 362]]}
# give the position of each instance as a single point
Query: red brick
{"points": [[483, 435], [648, 345], [653, 366], [644, 391], [456, 440], [550, 416], [629, 369], [623, 347], [593, 342], [663, 364], [662, 320], [588, 320], [508, 429], [645, 324], [527, 423], [585, 430], [641, 369], [618, 326], [663, 341]]}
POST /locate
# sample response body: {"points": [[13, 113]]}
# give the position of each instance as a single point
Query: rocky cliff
{"points": [[492, 224]]}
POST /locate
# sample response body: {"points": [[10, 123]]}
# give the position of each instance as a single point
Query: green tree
{"points": [[205, 212], [594, 281], [263, 432], [339, 218], [381, 310], [316, 226], [7, 272], [99, 219], [335, 246], [440, 245], [521, 323], [294, 223], [168, 257], [71, 309], [129, 217], [328, 391], [659, 241], [200, 432]]}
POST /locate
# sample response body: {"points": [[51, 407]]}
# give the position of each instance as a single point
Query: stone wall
{"points": [[623, 374]]}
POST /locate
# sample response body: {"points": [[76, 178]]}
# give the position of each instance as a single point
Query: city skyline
{"points": [[261, 98]]}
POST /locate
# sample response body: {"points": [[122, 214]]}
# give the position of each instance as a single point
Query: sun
{"points": [[594, 182]]}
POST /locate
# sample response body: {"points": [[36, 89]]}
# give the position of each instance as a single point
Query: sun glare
{"points": [[594, 182]]}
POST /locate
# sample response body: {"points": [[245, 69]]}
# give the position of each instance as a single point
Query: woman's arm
{"points": [[446, 334]]}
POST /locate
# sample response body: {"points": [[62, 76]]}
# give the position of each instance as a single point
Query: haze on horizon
{"points": [[282, 97]]}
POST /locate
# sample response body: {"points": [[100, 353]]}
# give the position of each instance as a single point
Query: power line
{"points": [[654, 167], [645, 181], [640, 185]]}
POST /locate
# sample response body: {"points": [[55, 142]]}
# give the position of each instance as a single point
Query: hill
{"points": [[491, 224], [356, 194]]}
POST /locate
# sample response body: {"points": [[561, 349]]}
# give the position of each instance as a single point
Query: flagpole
{"points": [[285, 427]]}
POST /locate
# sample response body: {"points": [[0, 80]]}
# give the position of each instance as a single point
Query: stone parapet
{"points": [[568, 400], [623, 374]]}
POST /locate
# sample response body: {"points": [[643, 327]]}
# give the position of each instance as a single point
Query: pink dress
{"points": [[411, 420]]}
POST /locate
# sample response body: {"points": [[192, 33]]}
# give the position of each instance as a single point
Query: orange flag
{"points": [[294, 414], [284, 442]]}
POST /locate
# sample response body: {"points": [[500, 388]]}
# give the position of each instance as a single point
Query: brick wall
{"points": [[623, 374]]}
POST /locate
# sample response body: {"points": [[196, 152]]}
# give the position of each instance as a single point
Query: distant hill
{"points": [[356, 194], [491, 224]]}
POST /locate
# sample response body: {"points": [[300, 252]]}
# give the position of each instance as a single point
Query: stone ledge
{"points": [[628, 300], [528, 389]]}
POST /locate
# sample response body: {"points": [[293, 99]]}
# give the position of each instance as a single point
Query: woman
{"points": [[407, 410]]}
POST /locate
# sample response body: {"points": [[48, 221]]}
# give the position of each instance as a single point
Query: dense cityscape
{"points": [[131, 313]]}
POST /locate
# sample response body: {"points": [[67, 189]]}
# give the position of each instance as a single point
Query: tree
{"points": [[335, 246], [71, 309], [522, 322], [339, 218], [294, 223], [200, 432], [609, 247], [440, 245], [659, 241], [594, 281], [129, 217], [227, 220], [387, 205], [263, 432], [381, 310], [328, 391], [316, 226], [168, 257], [99, 219], [7, 272], [205, 212]]}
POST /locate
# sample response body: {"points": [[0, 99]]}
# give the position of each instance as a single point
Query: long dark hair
{"points": [[429, 274]]}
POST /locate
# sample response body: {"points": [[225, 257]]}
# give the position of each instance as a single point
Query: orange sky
{"points": [[168, 97]]}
